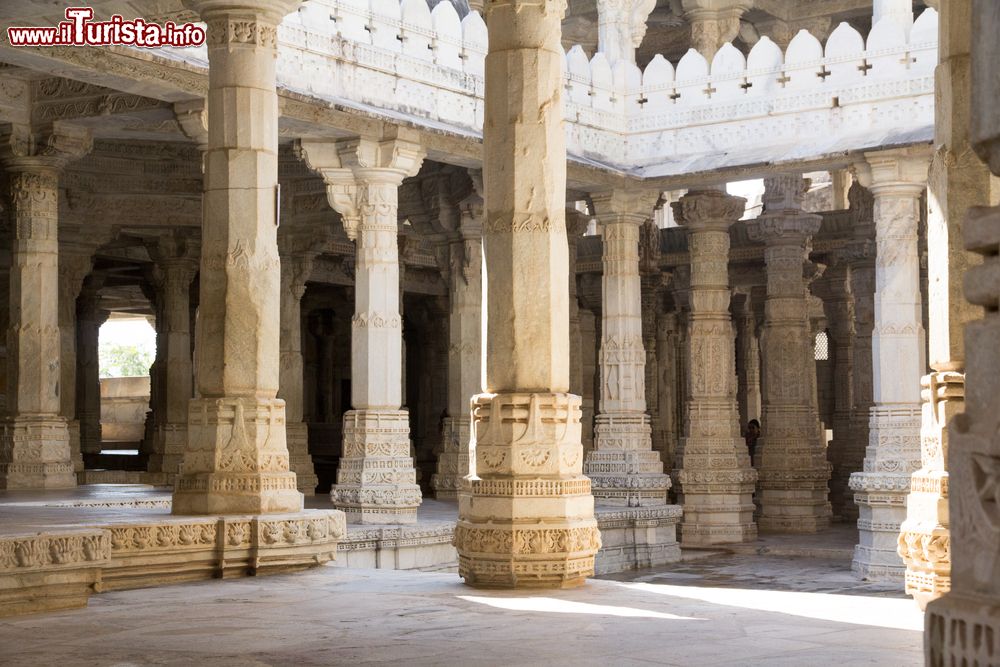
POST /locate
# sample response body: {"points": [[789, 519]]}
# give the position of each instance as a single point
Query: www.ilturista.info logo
{"points": [[79, 30]]}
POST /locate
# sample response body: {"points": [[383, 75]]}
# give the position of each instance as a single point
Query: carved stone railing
{"points": [[403, 60]]}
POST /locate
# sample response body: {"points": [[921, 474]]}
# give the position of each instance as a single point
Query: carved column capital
{"points": [[24, 149], [708, 210], [901, 171]]}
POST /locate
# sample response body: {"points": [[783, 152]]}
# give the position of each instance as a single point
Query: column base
{"points": [[793, 476], [167, 456], [623, 468], [924, 543], [35, 453], [716, 490], [376, 482], [881, 499], [235, 461], [299, 460], [961, 629], [75, 454], [528, 520], [455, 460]]}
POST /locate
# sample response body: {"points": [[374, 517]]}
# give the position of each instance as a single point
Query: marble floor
{"points": [[715, 610]]}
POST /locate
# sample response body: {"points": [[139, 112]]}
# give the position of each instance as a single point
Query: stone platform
{"points": [[58, 547]]}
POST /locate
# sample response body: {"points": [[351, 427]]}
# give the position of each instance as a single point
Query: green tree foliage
{"points": [[119, 360]]}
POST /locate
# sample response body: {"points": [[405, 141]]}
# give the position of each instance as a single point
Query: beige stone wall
{"points": [[124, 402]]}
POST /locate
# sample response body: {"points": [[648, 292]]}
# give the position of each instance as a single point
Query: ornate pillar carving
{"points": [[87, 380], [527, 519], [793, 468], [897, 179], [667, 395], [716, 480], [963, 626], [236, 459], [34, 437], [621, 26], [75, 262], [957, 181], [376, 481], [834, 288], [747, 361], [465, 360], [623, 467], [576, 225], [176, 263], [713, 23], [298, 247]]}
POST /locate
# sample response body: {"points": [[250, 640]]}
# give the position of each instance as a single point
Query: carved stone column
{"points": [[298, 247], [834, 288], [87, 380], [900, 11], [748, 362], [668, 379], [527, 520], [236, 460], [176, 257], [713, 23], [34, 438], [623, 467], [793, 468], [963, 627], [465, 359], [576, 225], [621, 25], [589, 373], [957, 182], [897, 179], [75, 262], [715, 476], [376, 481], [860, 256]]}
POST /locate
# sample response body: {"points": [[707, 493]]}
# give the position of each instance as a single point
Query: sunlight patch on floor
{"points": [[554, 605], [898, 614]]}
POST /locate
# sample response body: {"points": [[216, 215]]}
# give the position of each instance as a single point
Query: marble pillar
{"points": [[465, 359], [897, 179], [793, 468], [589, 374], [623, 468], [576, 225], [716, 480], [176, 263], [235, 459], [87, 380], [899, 11], [963, 626], [298, 247], [957, 181], [34, 437], [75, 263], [668, 379], [621, 26], [834, 288], [747, 362], [376, 481], [713, 23], [527, 519]]}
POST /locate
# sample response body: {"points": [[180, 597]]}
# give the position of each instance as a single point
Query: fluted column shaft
{"points": [[236, 458], [897, 179], [716, 480]]}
